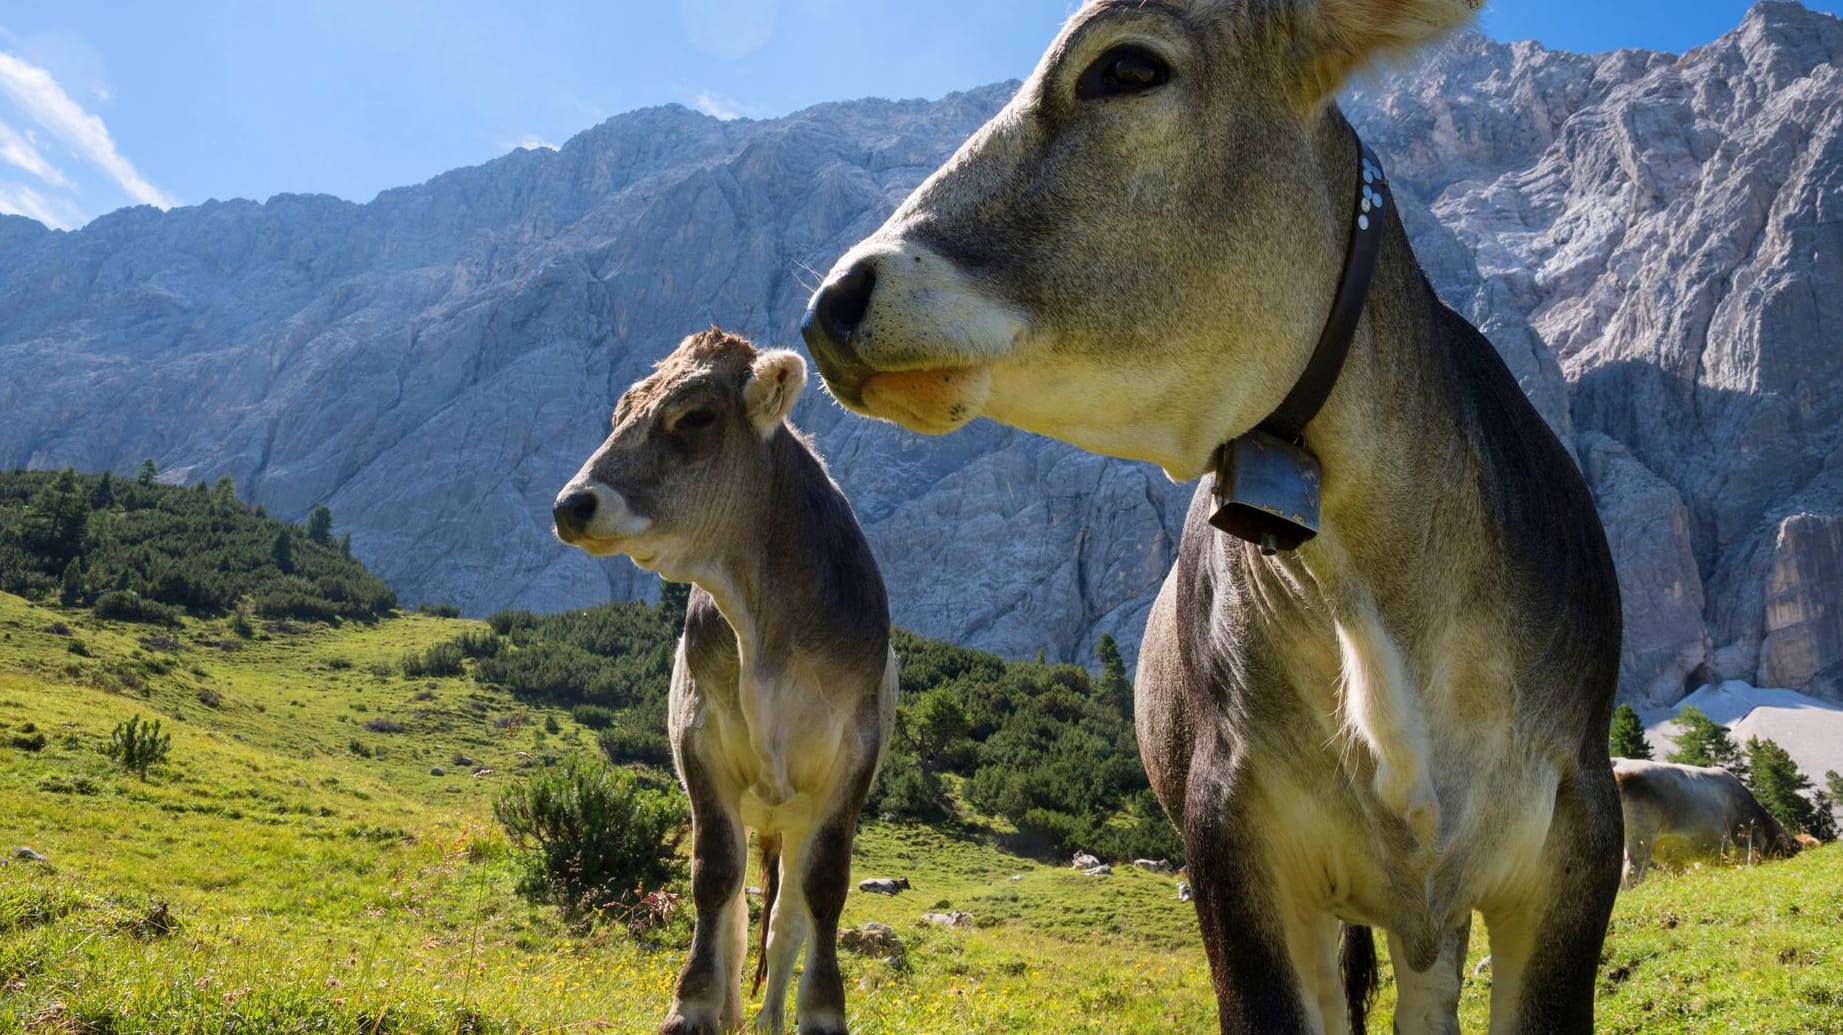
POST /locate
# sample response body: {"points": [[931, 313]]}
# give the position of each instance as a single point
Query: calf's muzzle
{"points": [[573, 512]]}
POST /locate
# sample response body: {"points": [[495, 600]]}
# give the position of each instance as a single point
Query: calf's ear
{"points": [[1333, 39], [775, 380]]}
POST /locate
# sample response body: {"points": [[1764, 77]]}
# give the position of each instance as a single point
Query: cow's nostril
{"points": [[575, 511], [841, 305]]}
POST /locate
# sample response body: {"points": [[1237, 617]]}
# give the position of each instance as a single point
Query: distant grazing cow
{"points": [[1084, 861], [1153, 865], [1682, 812], [784, 685], [884, 885]]}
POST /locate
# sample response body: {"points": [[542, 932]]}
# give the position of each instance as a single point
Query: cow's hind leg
{"points": [[1545, 944], [786, 926], [1427, 1003], [709, 996]]}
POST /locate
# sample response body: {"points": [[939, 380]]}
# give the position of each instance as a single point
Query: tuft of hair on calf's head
{"points": [[710, 347], [1335, 39]]}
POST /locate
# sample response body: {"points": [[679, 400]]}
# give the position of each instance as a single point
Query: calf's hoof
{"points": [[682, 1024]]}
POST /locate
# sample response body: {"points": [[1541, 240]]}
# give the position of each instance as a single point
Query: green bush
{"points": [[593, 716], [593, 837], [126, 605], [138, 746], [625, 743], [441, 659], [29, 738], [482, 643]]}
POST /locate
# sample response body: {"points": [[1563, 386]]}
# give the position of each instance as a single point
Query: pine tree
{"points": [[320, 526], [70, 592], [1114, 687], [1779, 786], [1628, 736], [58, 517], [1702, 741], [103, 496], [149, 471], [674, 598], [138, 745], [282, 553], [345, 546]]}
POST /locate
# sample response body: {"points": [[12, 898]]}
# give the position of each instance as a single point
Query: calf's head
{"points": [[1137, 254], [689, 451]]}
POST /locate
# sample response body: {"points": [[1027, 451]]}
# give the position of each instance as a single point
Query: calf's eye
{"points": [[695, 420], [1126, 69]]}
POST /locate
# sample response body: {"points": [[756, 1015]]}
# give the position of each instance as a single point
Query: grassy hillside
{"points": [[291, 869]]}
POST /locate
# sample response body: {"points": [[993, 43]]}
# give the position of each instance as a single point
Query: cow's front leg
{"points": [[820, 1007], [1257, 992], [709, 996]]}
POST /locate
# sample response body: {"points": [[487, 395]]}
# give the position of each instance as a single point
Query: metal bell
{"points": [[1268, 489]]}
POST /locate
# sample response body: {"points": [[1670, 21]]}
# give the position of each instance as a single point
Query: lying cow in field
{"points": [[784, 685], [884, 885], [1376, 686], [1682, 812]]}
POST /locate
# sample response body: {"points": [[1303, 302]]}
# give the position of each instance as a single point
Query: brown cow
{"points": [[1168, 238], [784, 686]]}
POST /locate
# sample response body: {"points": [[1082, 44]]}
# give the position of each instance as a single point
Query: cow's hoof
{"points": [[826, 1027]]}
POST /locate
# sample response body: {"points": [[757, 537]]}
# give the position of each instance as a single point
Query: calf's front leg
{"points": [[709, 996]]}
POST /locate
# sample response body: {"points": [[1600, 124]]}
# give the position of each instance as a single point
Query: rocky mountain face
{"points": [[1654, 242], [1670, 229]]}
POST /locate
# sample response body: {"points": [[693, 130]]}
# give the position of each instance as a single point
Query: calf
{"points": [[1690, 812], [784, 684]]}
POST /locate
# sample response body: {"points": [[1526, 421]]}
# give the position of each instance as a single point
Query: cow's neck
{"points": [[765, 577], [1397, 465], [1396, 520]]}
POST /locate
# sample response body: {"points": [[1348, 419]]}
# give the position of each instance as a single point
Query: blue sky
{"points": [[104, 104]]}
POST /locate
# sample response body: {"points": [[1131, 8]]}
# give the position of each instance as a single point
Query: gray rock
{"points": [[1803, 646], [952, 918], [1666, 647], [872, 939]]}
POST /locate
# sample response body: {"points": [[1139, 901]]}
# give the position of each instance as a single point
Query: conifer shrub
{"points": [[139, 745], [594, 837]]}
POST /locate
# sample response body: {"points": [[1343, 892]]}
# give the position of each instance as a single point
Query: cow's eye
{"points": [[1127, 68], [695, 420]]}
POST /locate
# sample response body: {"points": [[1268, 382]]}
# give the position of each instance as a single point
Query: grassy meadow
{"points": [[299, 866]]}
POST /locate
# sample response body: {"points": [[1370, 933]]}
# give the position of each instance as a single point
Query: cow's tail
{"points": [[1361, 977], [771, 887]]}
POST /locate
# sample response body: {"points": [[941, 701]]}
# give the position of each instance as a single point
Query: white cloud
{"points": [[17, 149], [533, 142], [717, 106], [19, 200], [39, 95]]}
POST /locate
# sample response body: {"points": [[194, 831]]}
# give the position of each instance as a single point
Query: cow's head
{"points": [[1137, 254], [689, 451]]}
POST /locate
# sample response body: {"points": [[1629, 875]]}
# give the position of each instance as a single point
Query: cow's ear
{"points": [[1333, 39], [775, 380]]}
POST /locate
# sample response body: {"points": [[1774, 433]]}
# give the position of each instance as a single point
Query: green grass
{"points": [[315, 888]]}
